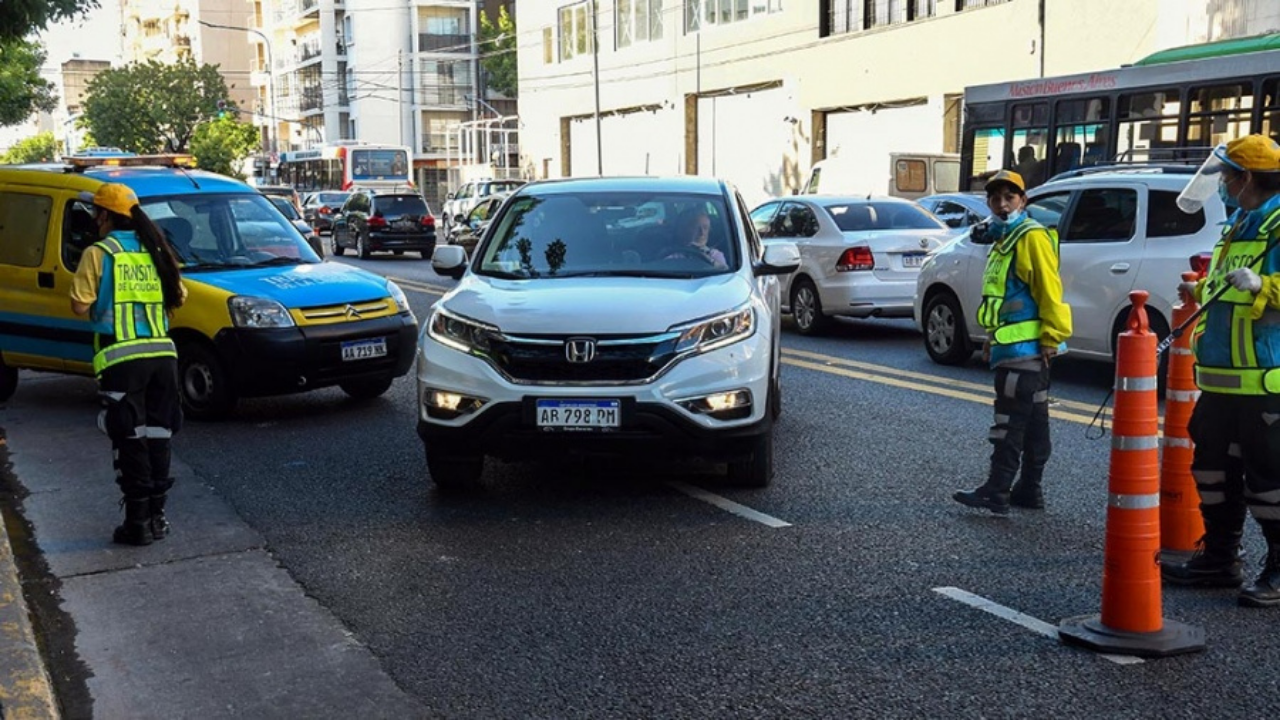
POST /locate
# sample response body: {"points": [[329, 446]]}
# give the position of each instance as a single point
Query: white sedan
{"points": [[860, 255]]}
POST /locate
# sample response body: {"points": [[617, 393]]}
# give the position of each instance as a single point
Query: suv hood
{"points": [[298, 286], [596, 305]]}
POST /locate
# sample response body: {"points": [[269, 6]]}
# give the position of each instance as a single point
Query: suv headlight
{"points": [[459, 333], [717, 332], [402, 300], [255, 312]]}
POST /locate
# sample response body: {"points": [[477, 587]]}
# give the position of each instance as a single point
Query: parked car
{"points": [[571, 333], [468, 232], [458, 204], [318, 209], [371, 222], [287, 209], [859, 255], [1118, 231], [283, 191], [957, 210]]}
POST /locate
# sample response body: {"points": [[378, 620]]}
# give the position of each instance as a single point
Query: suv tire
{"points": [[452, 473], [206, 390], [806, 308], [338, 250], [946, 336], [366, 389], [8, 381], [756, 469], [362, 247]]}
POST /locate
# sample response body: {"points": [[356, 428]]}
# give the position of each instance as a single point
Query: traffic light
{"points": [[223, 110]]}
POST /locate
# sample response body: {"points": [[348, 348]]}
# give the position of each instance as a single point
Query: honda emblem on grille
{"points": [[353, 313], [580, 350]]}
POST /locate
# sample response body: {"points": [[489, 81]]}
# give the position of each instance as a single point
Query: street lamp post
{"points": [[273, 134]]}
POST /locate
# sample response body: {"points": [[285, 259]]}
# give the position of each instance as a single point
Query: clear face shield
{"points": [[1204, 184]]}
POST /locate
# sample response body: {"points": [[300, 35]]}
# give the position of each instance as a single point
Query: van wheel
{"points": [[756, 469], [362, 247], [206, 389], [453, 473], [8, 381], [806, 308], [366, 389], [336, 249], [946, 337]]}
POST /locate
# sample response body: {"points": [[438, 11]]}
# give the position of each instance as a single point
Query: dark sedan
{"points": [[319, 207]]}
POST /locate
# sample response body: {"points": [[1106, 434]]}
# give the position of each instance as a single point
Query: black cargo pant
{"points": [[141, 411], [1237, 460], [1020, 433]]}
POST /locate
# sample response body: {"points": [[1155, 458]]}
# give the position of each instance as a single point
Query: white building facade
{"points": [[755, 91]]}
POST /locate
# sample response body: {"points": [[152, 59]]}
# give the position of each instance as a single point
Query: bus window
{"points": [[1148, 124], [1218, 114], [1271, 108], [1082, 134], [988, 155], [1031, 140]]}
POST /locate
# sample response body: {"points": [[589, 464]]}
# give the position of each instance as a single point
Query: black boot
{"points": [[1265, 590], [986, 497], [1215, 563], [159, 524], [136, 528], [1027, 494]]}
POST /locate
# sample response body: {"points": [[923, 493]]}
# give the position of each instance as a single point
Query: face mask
{"points": [[1015, 218], [1231, 202]]}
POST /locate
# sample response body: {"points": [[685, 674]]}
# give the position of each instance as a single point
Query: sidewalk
{"points": [[204, 624]]}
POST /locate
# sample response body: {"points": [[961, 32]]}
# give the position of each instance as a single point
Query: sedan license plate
{"points": [[364, 349], [578, 414], [913, 260]]}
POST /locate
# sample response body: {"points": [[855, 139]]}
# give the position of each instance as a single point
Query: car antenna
{"points": [[187, 175]]}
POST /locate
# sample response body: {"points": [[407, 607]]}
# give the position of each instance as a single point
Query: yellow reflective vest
{"points": [[129, 313]]}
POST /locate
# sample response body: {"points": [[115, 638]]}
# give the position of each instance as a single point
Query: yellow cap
{"points": [[1257, 153], [117, 198], [1007, 176]]}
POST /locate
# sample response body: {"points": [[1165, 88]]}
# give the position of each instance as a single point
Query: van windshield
{"points": [[228, 231]]}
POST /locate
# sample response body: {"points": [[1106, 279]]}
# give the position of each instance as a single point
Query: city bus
{"points": [[342, 166], [1172, 106]]}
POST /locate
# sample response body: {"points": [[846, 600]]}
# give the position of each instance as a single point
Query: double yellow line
{"points": [[1068, 410], [418, 286]]}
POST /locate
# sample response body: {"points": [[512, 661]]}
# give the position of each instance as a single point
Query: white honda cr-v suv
{"points": [[576, 329]]}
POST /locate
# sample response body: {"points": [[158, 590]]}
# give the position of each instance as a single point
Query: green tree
{"points": [[152, 107], [22, 90], [220, 145], [18, 18], [498, 52], [37, 148]]}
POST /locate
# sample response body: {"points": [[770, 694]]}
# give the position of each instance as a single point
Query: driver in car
{"points": [[693, 228]]}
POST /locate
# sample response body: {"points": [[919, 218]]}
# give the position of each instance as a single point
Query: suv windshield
{"points": [[285, 207], [394, 205], [860, 216], [225, 231], [586, 234]]}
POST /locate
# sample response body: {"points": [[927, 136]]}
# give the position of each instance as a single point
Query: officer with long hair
{"points": [[128, 284]]}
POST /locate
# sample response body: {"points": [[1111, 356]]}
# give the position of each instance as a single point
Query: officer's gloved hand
{"points": [[1187, 292], [1245, 280]]}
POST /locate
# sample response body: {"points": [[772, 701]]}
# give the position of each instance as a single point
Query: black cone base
{"points": [[1174, 638]]}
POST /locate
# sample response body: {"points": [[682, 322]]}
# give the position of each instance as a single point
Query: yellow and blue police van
{"points": [[264, 314]]}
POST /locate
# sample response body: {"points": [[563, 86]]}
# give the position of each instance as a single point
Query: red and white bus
{"points": [[343, 166]]}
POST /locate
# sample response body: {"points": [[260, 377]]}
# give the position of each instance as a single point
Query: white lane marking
{"points": [[416, 286], [1035, 625], [729, 505]]}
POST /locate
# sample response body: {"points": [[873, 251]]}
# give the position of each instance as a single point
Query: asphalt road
{"points": [[635, 590]]}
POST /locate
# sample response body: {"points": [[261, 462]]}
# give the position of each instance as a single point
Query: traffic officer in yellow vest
{"points": [[1027, 324], [1236, 421], [128, 284]]}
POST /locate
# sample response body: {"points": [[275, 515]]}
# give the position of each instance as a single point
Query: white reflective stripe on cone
{"points": [[1133, 502]]}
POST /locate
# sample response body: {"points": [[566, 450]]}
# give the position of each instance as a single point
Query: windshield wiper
{"points": [[504, 275], [197, 266], [629, 273], [279, 260]]}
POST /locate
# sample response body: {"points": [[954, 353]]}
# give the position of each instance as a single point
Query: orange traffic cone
{"points": [[1130, 623], [1180, 522]]}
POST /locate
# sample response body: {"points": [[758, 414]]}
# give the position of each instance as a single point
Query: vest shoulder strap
{"points": [[1271, 223]]}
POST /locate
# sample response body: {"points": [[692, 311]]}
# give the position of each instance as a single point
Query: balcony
{"points": [[437, 143], [312, 99], [444, 96], [431, 42]]}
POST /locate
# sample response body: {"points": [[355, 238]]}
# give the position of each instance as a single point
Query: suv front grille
{"points": [[618, 359]]}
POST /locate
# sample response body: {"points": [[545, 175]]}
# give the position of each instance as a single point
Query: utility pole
{"points": [[1042, 34], [595, 60], [400, 96]]}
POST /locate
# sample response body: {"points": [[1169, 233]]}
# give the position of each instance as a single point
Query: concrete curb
{"points": [[25, 689]]}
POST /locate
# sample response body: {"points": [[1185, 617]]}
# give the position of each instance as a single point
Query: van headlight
{"points": [[717, 332], [255, 312], [401, 300], [459, 333]]}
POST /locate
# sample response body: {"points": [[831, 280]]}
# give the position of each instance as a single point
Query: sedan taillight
{"points": [[324, 210], [377, 221], [856, 258]]}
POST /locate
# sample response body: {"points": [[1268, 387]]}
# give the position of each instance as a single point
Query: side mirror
{"points": [[979, 236], [780, 258], [449, 196], [449, 261], [955, 221]]}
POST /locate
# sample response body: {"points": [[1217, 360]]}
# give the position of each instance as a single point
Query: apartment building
{"points": [[170, 30], [403, 72], [757, 90]]}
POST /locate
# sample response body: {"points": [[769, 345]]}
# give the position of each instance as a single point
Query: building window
{"points": [[851, 16], [575, 31], [968, 4], [637, 21], [548, 46], [699, 14]]}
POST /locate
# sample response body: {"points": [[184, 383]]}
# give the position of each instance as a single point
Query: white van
{"points": [[909, 175]]}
